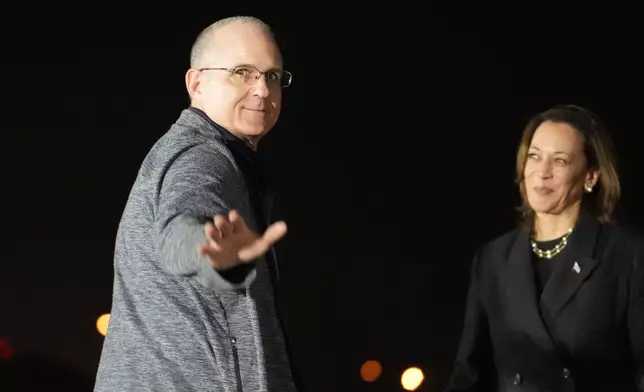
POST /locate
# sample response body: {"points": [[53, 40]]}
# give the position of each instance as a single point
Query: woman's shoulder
{"points": [[625, 235], [505, 238], [627, 245], [501, 244]]}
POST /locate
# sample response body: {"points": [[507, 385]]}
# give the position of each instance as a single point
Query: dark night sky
{"points": [[394, 158]]}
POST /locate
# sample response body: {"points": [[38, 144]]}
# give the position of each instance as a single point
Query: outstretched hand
{"points": [[231, 242]]}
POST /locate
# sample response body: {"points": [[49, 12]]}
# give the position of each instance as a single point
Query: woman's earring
{"points": [[588, 189]]}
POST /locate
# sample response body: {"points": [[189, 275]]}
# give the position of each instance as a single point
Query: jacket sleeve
{"points": [[473, 368], [192, 191], [636, 313]]}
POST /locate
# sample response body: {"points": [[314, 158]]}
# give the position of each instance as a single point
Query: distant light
{"points": [[412, 378], [102, 323], [370, 370], [6, 351]]}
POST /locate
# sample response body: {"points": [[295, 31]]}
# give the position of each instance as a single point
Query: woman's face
{"points": [[555, 173]]}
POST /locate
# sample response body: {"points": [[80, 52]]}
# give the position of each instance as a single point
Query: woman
{"points": [[558, 303]]}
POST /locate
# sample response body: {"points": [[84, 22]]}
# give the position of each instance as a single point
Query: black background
{"points": [[394, 157]]}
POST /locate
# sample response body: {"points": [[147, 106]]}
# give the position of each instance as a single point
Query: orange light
{"points": [[102, 323], [370, 370], [412, 378]]}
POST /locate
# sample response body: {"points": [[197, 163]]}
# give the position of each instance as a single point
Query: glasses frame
{"points": [[260, 73]]}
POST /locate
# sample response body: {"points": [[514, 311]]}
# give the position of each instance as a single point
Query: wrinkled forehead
{"points": [[245, 44]]}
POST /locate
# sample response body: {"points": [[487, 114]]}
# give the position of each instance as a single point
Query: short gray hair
{"points": [[204, 38]]}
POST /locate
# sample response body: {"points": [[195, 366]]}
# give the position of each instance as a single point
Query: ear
{"points": [[193, 82], [592, 177]]}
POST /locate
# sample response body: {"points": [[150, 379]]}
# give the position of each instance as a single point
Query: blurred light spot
{"points": [[412, 378], [6, 351], [370, 370], [102, 323]]}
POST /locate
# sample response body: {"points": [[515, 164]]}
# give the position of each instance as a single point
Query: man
{"points": [[194, 302]]}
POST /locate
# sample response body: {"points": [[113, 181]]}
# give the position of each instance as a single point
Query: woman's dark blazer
{"points": [[584, 333]]}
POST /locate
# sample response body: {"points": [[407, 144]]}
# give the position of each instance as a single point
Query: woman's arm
{"points": [[474, 365], [636, 313]]}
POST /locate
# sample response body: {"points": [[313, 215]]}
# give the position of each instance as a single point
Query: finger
{"points": [[222, 224], [212, 232], [236, 221], [275, 232], [211, 245], [209, 250], [253, 251]]}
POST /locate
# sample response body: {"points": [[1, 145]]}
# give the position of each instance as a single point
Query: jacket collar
{"points": [[196, 118], [566, 278], [570, 272], [251, 163]]}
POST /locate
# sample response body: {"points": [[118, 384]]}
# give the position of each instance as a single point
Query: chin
{"points": [[252, 133], [541, 206], [545, 208], [253, 129], [542, 211]]}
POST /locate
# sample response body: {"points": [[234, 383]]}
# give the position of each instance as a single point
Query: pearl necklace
{"points": [[550, 253]]}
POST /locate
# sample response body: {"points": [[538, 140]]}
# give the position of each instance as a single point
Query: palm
{"points": [[231, 241]]}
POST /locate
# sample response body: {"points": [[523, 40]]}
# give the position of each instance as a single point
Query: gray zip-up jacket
{"points": [[176, 324]]}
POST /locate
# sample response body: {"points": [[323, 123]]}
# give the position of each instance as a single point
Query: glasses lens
{"points": [[286, 79]]}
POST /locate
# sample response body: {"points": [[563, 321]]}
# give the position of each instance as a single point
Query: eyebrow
{"points": [[556, 152], [254, 66]]}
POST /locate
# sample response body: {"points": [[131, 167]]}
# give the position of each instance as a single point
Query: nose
{"points": [[259, 88], [545, 168]]}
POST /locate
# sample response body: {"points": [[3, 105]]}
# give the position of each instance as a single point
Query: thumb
{"points": [[275, 232], [260, 246]]}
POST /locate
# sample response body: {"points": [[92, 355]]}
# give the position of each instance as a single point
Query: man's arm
{"points": [[192, 191]]}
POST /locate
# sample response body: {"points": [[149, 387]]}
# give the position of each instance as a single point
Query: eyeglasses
{"points": [[250, 75]]}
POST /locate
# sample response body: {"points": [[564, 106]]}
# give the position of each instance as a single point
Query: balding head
{"points": [[236, 76], [205, 45]]}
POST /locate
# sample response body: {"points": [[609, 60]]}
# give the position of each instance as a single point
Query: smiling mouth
{"points": [[542, 190]]}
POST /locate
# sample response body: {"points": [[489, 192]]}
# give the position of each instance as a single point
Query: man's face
{"points": [[245, 106]]}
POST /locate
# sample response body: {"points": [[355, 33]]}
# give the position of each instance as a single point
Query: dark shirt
{"points": [[543, 267]]}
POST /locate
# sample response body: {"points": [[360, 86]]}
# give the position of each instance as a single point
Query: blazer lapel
{"points": [[523, 291], [571, 271]]}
